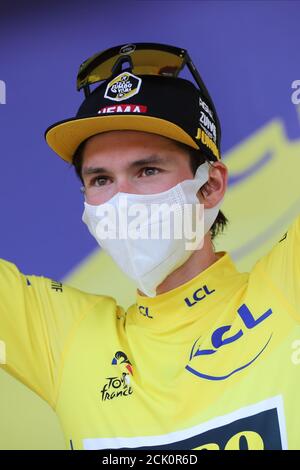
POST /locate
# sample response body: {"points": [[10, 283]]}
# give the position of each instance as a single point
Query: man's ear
{"points": [[214, 189]]}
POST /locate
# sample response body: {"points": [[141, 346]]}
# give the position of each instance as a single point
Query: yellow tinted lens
{"points": [[145, 62]]}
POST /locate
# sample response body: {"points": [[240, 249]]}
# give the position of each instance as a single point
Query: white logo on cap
{"points": [[205, 107], [127, 49], [122, 87]]}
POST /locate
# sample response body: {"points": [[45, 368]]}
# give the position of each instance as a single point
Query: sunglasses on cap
{"points": [[142, 59]]}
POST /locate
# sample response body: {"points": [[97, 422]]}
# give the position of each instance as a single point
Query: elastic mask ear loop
{"points": [[205, 165]]}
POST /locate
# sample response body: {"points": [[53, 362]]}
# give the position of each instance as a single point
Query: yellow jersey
{"points": [[211, 364]]}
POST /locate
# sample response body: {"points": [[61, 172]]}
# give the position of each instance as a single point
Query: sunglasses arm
{"points": [[200, 83]]}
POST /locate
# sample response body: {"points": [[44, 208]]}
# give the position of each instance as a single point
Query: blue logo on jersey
{"points": [[199, 295], [218, 340], [144, 311]]}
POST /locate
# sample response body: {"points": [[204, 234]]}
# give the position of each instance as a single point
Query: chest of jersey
{"points": [[227, 381]]}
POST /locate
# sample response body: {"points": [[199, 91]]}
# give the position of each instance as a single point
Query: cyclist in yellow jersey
{"points": [[203, 359]]}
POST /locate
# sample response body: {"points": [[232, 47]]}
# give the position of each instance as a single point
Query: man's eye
{"points": [[150, 171], [99, 181]]}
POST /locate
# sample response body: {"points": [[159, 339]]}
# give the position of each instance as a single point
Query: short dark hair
{"points": [[196, 159]]}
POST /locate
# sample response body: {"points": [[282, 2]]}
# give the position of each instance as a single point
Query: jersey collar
{"points": [[190, 301]]}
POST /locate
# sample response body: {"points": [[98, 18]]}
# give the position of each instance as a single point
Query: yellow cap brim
{"points": [[65, 137]]}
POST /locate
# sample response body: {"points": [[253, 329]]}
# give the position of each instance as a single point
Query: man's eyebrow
{"points": [[152, 159], [90, 170]]}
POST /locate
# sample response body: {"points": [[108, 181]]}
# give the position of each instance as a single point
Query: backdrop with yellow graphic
{"points": [[250, 72]]}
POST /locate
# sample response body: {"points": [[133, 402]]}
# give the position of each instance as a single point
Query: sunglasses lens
{"points": [[145, 61]]}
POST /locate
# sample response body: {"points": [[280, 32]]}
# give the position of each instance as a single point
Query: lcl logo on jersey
{"points": [[144, 311], [122, 87], [199, 295], [204, 361]]}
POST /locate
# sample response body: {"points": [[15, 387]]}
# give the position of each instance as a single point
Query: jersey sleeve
{"points": [[282, 264], [37, 317]]}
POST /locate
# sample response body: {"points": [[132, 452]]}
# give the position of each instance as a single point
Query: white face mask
{"points": [[148, 261]]}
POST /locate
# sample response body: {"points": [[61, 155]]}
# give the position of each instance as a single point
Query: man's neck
{"points": [[197, 262]]}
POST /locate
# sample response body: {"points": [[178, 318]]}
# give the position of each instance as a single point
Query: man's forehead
{"points": [[129, 137], [128, 147]]}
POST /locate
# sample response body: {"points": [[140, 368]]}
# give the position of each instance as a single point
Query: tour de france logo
{"points": [[122, 87], [119, 385]]}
